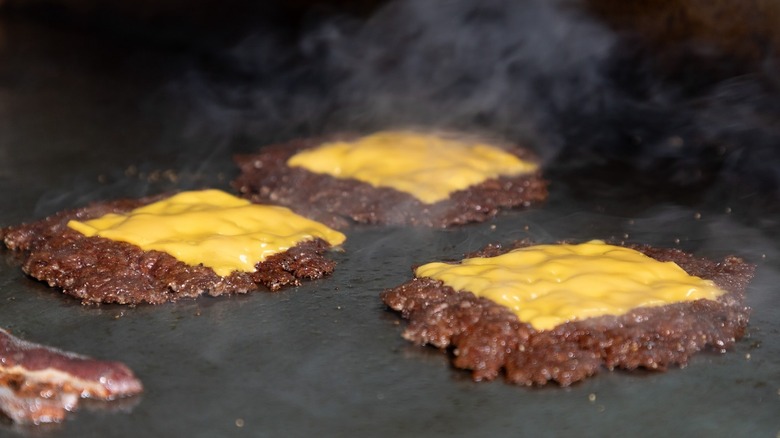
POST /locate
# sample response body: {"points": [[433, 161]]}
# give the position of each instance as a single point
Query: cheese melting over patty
{"points": [[426, 166], [212, 228], [547, 285]]}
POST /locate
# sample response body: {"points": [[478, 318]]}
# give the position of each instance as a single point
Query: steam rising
{"points": [[489, 65], [546, 74], [493, 66]]}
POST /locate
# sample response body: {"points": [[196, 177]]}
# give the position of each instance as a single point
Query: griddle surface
{"points": [[327, 358]]}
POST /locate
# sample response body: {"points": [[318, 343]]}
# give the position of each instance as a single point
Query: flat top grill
{"points": [[327, 357]]}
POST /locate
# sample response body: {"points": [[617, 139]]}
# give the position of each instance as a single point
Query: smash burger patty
{"points": [[267, 177], [101, 270], [486, 337]]}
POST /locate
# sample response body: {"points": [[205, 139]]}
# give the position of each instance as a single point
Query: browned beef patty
{"points": [[487, 338], [265, 177], [100, 270]]}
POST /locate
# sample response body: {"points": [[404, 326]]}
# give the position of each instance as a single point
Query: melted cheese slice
{"points": [[426, 166], [212, 228], [547, 285]]}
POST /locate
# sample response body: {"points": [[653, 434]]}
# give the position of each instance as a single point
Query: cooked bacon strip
{"points": [[40, 384]]}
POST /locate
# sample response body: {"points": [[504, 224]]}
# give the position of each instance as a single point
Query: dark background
{"points": [[673, 96]]}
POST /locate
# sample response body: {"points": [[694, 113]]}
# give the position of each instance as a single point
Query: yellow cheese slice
{"points": [[426, 166], [212, 228], [547, 285]]}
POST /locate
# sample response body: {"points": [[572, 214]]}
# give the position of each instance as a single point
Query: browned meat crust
{"points": [[487, 338], [39, 384], [99, 270], [265, 177]]}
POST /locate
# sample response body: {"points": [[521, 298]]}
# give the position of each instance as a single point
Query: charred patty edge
{"points": [[488, 339], [266, 178], [99, 270]]}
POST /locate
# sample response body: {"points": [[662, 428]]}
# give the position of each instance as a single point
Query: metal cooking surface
{"points": [[327, 358]]}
